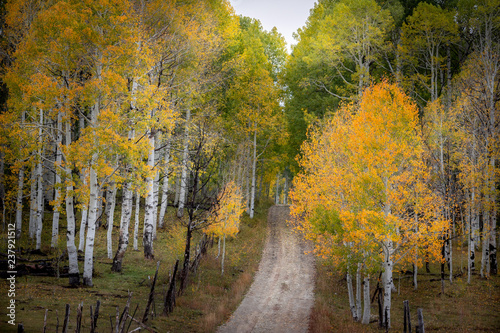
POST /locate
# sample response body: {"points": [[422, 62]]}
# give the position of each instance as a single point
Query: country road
{"points": [[281, 296]]}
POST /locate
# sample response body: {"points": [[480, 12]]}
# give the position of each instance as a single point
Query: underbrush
{"points": [[206, 303]]}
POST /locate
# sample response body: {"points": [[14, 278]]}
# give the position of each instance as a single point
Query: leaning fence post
{"points": [[420, 327], [66, 320]]}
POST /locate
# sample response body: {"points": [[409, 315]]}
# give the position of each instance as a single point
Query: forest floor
{"points": [[281, 296], [207, 302], [210, 298], [463, 307]]}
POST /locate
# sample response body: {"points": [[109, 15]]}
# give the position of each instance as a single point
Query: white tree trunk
{"points": [[415, 272], [124, 226], [352, 304], [485, 255], [19, 203], [450, 252], [285, 191], [277, 196], [388, 282], [366, 300], [149, 209], [33, 201], [57, 196], [74, 273], [83, 223], [164, 189], [39, 210], [111, 214], [254, 167], [223, 253], [358, 292], [136, 225], [91, 226], [156, 186], [184, 166]]}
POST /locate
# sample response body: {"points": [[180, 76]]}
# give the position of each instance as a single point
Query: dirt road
{"points": [[281, 296]]}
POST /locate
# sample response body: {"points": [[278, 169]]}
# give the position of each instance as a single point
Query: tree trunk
{"points": [[352, 304], [149, 209], [277, 196], [223, 254], [358, 292], [156, 186], [57, 195], [185, 265], [111, 214], [33, 202], [136, 226], [74, 273], [285, 190], [485, 256], [39, 210], [124, 225], [388, 283], [91, 226], [254, 166], [164, 189], [184, 172], [83, 223], [366, 300], [19, 203]]}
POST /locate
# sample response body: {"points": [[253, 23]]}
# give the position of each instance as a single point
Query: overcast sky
{"points": [[286, 15]]}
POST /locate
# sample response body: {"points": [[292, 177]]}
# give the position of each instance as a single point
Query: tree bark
{"points": [[184, 166], [74, 273], [223, 254], [19, 203], [164, 190], [388, 282], [57, 195], [124, 226], [358, 292], [254, 166], [156, 185], [91, 226], [136, 226], [366, 300], [352, 304], [149, 209], [33, 202], [185, 265]]}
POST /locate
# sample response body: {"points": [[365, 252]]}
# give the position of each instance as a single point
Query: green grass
{"points": [[463, 307], [209, 299]]}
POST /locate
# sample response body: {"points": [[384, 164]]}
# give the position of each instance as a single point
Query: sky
{"points": [[286, 15]]}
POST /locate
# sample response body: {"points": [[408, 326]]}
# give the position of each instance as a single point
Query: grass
{"points": [[208, 301], [462, 308]]}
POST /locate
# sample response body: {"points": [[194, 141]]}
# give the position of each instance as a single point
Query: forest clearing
{"points": [[148, 148]]}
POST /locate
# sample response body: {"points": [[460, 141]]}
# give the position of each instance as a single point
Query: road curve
{"points": [[282, 294]]}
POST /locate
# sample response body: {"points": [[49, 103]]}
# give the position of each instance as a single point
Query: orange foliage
{"points": [[365, 183]]}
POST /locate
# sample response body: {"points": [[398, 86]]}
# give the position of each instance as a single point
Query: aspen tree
{"points": [[361, 172]]}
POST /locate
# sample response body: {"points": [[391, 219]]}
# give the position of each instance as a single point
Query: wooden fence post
{"points": [[45, 321], [151, 295], [169, 303], [79, 317], [66, 320], [407, 317], [420, 327]]}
